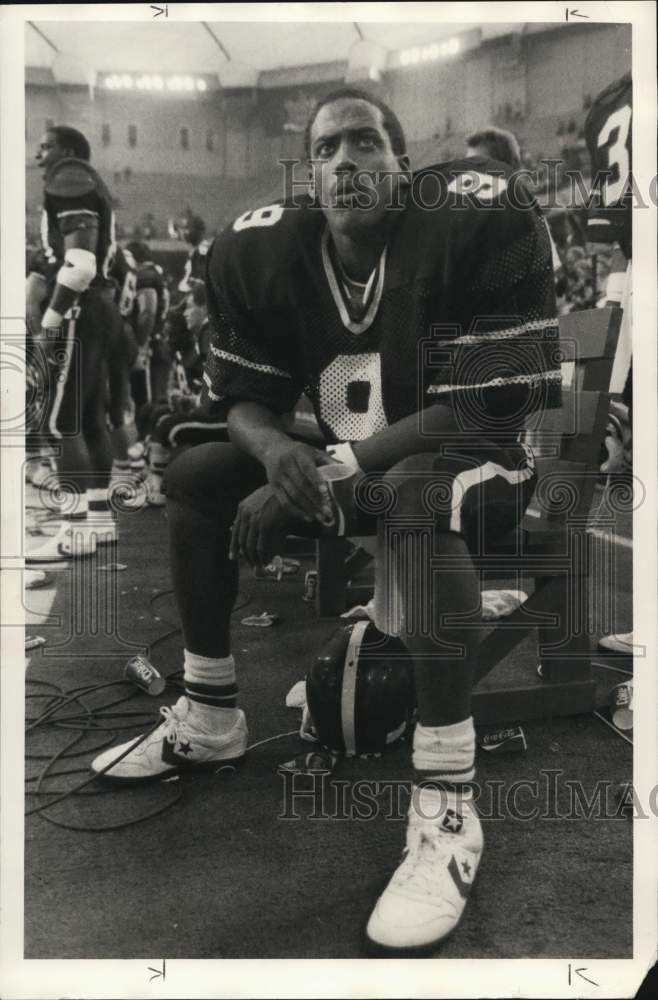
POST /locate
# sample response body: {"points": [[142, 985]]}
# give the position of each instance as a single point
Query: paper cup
{"points": [[621, 705], [338, 497], [142, 673]]}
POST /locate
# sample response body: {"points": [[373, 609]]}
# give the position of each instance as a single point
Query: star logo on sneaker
{"points": [[462, 870], [177, 753], [452, 821]]}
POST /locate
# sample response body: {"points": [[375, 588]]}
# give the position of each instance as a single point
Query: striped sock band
{"points": [[444, 756], [101, 515], [211, 689], [80, 509], [158, 458], [98, 500]]}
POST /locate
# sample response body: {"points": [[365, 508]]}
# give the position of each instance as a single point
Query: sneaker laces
{"points": [[173, 721], [172, 726], [421, 871]]}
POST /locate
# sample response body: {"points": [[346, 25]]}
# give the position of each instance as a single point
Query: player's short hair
{"points": [[70, 138], [500, 145], [141, 251], [391, 122], [194, 223]]}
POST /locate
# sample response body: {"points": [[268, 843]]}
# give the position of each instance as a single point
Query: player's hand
{"points": [[291, 468], [259, 529]]}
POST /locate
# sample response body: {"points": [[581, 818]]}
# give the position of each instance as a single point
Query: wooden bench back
{"points": [[567, 441]]}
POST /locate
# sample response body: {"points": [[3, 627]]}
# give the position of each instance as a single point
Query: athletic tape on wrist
{"points": [[51, 319]]}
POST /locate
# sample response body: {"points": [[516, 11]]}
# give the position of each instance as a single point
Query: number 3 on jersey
{"points": [[617, 152], [350, 391], [258, 218]]}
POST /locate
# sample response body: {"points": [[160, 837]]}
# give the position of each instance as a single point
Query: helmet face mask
{"points": [[359, 690]]}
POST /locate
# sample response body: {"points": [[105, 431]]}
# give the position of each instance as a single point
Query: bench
{"points": [[553, 548]]}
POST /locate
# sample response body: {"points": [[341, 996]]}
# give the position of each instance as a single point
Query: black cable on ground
{"points": [[85, 721]]}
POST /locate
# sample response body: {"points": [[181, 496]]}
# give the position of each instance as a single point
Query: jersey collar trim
{"points": [[372, 296]]}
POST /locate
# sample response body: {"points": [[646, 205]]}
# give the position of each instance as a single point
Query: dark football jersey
{"points": [[460, 309], [195, 267], [608, 133], [123, 271], [75, 197], [151, 275]]}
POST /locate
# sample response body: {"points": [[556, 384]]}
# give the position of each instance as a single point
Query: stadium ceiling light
{"points": [[433, 51], [120, 81]]}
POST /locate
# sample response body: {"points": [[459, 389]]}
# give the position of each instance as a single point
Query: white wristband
{"points": [[51, 319], [344, 453]]}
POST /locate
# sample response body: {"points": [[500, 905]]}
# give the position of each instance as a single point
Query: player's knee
{"points": [[197, 474], [409, 479]]}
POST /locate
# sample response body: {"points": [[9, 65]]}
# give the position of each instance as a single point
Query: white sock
{"points": [[445, 755], [158, 458], [100, 511], [211, 691]]}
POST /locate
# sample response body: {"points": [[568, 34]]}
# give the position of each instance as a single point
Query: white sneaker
{"points": [[622, 643], [72, 541], [176, 745], [44, 472], [425, 899]]}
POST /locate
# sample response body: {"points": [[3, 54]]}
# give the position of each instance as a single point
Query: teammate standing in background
{"points": [[499, 144], [336, 295], [495, 144], [609, 137], [194, 232], [71, 289], [189, 419], [149, 375], [122, 356]]}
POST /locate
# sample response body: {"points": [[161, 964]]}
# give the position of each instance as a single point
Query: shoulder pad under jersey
{"points": [[128, 257], [475, 167], [261, 244], [71, 178]]}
